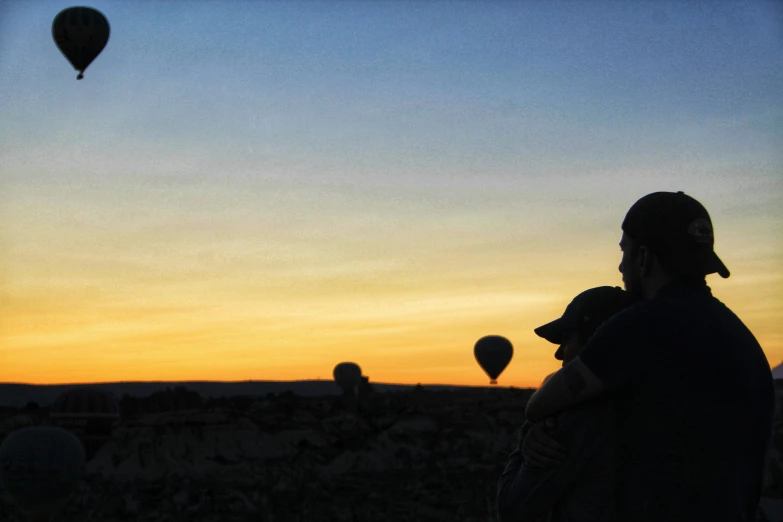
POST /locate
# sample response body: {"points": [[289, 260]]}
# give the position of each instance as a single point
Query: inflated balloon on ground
{"points": [[85, 406], [88, 412], [40, 468], [493, 353]]}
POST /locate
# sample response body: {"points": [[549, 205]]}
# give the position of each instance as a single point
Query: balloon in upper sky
{"points": [[348, 375], [81, 33], [493, 354], [40, 468]]}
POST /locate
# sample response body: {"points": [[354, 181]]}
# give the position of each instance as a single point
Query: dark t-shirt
{"points": [[695, 407]]}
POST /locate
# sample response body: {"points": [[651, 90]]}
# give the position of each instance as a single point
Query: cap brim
{"points": [[553, 332], [716, 266]]}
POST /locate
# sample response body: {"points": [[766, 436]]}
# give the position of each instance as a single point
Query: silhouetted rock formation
{"points": [[401, 456], [417, 456], [177, 399]]}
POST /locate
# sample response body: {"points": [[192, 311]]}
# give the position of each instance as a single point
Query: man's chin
{"points": [[635, 292]]}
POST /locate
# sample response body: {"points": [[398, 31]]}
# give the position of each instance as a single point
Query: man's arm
{"points": [[512, 490], [526, 493], [614, 357], [571, 385]]}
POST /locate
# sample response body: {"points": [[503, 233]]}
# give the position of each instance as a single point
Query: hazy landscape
{"points": [[423, 453], [19, 395], [287, 452]]}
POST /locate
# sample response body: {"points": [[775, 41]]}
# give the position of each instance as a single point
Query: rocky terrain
{"points": [[412, 456], [421, 455]]}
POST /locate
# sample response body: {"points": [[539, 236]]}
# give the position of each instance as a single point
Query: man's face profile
{"points": [[632, 278]]}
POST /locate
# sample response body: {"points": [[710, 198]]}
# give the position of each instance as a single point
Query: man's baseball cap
{"points": [[595, 305], [675, 224]]}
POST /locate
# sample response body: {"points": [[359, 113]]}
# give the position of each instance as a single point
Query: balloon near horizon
{"points": [[81, 33], [89, 413], [347, 375], [493, 353]]}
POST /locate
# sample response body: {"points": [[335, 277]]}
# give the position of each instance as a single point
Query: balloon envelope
{"points": [[348, 375], [85, 403], [90, 413], [40, 468], [493, 354], [80, 33]]}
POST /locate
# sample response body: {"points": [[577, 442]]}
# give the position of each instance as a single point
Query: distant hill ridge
{"points": [[18, 395]]}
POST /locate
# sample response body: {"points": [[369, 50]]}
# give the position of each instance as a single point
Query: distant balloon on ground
{"points": [[90, 413], [347, 375], [493, 354], [80, 33], [85, 405], [40, 468]]}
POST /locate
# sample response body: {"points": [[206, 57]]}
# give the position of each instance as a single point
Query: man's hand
{"points": [[539, 449]]}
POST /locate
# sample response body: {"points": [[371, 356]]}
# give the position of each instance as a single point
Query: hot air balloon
{"points": [[40, 468], [89, 413], [347, 375], [80, 33], [493, 354]]}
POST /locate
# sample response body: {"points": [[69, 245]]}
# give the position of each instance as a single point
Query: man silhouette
{"points": [[695, 392], [580, 488]]}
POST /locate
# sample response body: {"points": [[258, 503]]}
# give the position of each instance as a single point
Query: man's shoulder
{"points": [[622, 343], [633, 321]]}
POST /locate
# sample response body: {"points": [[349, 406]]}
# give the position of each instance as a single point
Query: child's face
{"points": [[568, 351]]}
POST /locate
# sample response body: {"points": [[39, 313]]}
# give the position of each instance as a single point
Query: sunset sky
{"points": [[260, 190]]}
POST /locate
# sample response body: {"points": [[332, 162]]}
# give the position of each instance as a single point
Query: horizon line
{"points": [[258, 381]]}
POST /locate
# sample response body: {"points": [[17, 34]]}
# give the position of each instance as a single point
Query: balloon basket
{"points": [[493, 382]]}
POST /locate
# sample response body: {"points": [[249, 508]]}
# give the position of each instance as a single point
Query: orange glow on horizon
{"points": [[405, 341]]}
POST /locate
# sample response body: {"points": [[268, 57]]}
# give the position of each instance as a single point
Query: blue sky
{"points": [[396, 152], [483, 85]]}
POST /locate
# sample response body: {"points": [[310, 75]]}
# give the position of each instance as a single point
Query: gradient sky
{"points": [[260, 190]]}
